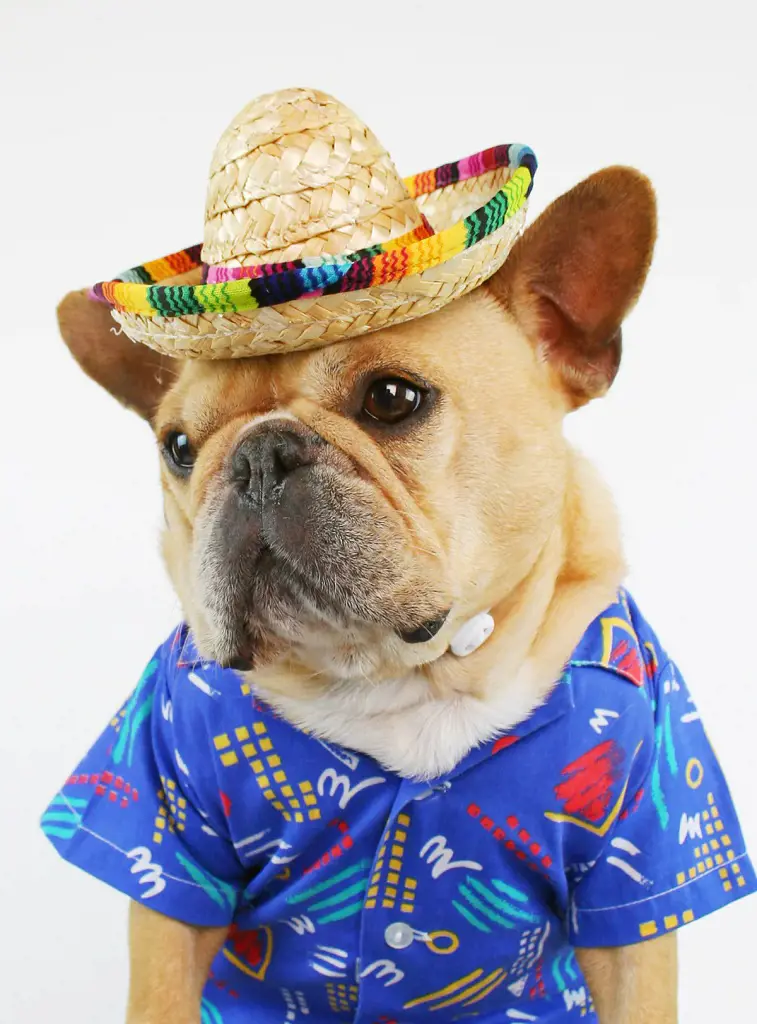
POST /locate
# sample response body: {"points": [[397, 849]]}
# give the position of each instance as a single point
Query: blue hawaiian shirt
{"points": [[352, 893]]}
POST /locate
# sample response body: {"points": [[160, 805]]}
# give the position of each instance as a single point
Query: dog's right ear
{"points": [[132, 373], [572, 277]]}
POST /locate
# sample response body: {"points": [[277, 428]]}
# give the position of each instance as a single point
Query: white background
{"points": [[110, 113]]}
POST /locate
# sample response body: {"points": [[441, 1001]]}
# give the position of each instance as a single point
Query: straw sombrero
{"points": [[311, 237]]}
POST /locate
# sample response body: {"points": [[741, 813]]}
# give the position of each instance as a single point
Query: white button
{"points": [[472, 635], [399, 935]]}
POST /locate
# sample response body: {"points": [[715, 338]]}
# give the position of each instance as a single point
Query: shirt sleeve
{"points": [[133, 816], [675, 852]]}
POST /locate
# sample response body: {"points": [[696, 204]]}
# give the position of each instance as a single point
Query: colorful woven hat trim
{"points": [[214, 275], [136, 292]]}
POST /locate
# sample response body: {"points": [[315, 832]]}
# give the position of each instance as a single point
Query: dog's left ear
{"points": [[577, 271], [132, 373]]}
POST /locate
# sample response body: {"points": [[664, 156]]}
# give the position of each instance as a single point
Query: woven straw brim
{"points": [[472, 212], [325, 319]]}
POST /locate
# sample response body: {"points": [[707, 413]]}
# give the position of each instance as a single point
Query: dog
{"points": [[334, 518]]}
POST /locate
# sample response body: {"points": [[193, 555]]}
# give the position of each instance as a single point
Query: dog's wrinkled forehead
{"points": [[452, 353], [209, 394]]}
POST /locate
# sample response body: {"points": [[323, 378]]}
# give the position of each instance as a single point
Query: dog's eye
{"points": [[392, 400], [178, 452]]}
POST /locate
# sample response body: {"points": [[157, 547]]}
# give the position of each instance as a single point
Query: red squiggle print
{"points": [[587, 789]]}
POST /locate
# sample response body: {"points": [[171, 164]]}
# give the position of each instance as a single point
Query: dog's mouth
{"points": [[313, 559]]}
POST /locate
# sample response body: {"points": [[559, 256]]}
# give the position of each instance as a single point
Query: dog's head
{"points": [[343, 510]]}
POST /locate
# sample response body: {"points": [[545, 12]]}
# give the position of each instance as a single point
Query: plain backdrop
{"points": [[110, 113]]}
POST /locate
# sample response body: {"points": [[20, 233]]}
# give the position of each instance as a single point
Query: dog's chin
{"points": [[279, 615]]}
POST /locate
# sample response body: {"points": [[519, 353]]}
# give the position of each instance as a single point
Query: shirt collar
{"points": [[559, 701], [183, 649]]}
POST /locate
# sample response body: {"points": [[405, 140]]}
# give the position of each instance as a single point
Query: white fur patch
{"points": [[405, 729]]}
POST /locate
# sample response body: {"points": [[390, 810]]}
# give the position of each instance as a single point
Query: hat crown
{"points": [[297, 174]]}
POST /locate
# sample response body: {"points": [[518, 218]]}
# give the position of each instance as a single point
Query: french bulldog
{"points": [[335, 517]]}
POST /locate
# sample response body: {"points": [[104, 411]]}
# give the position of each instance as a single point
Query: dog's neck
{"points": [[423, 722]]}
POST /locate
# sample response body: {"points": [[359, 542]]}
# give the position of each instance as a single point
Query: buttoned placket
{"points": [[388, 937], [387, 932]]}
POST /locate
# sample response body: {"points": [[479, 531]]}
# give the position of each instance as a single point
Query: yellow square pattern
{"points": [[278, 778]]}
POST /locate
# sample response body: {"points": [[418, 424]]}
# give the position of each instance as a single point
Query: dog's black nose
{"points": [[265, 457]]}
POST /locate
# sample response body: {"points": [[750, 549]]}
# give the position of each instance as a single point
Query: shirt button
{"points": [[399, 935]]}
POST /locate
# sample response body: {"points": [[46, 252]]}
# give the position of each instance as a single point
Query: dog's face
{"points": [[347, 501], [343, 510]]}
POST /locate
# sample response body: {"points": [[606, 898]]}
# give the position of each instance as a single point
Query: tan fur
{"points": [[483, 505], [169, 965], [634, 984]]}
